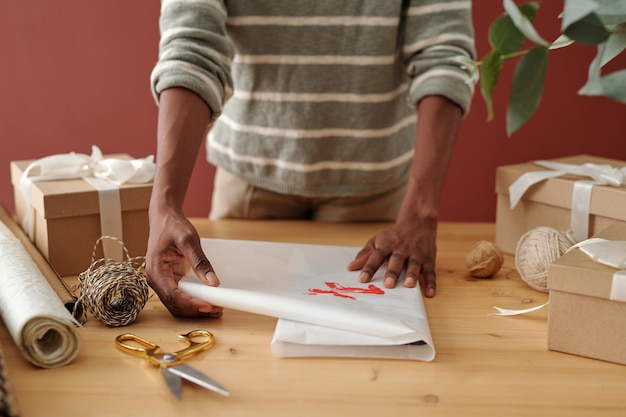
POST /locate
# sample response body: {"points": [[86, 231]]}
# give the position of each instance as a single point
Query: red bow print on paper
{"points": [[338, 290]]}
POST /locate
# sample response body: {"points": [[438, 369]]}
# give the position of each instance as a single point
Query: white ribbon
{"points": [[600, 174], [104, 174], [510, 312], [607, 252], [610, 253]]}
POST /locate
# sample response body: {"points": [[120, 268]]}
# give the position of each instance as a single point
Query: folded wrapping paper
{"points": [[37, 320], [599, 174], [104, 174], [322, 308]]}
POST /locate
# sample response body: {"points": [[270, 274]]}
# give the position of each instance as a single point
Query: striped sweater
{"points": [[315, 97]]}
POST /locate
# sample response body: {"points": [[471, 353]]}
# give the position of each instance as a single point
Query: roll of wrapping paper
{"points": [[8, 403], [55, 281], [38, 321]]}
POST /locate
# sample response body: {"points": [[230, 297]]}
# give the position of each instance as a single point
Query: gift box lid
{"points": [[76, 197], [607, 200], [576, 273]]}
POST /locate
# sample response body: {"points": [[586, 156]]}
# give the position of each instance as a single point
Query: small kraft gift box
{"points": [[64, 214], [588, 299], [582, 194]]}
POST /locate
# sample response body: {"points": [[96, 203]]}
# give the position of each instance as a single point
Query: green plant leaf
{"points": [[612, 85], [611, 12], [504, 36], [593, 86], [574, 10], [522, 23], [587, 31], [615, 45], [526, 87], [615, 85], [491, 66], [561, 42]]}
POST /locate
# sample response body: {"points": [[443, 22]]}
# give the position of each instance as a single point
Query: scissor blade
{"points": [[173, 381], [191, 374]]}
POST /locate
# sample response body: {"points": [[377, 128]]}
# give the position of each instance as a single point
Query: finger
{"points": [[373, 263], [394, 269], [178, 303], [204, 307], [430, 283], [199, 262], [181, 304], [361, 257], [413, 270]]}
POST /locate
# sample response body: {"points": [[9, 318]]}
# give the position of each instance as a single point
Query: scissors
{"points": [[171, 364]]}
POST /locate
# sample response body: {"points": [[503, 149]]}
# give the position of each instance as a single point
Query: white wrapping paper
{"points": [[35, 316], [322, 308]]}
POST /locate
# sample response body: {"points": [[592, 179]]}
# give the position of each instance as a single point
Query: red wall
{"points": [[75, 73]]}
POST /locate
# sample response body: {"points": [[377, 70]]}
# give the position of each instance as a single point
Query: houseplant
{"points": [[597, 23]]}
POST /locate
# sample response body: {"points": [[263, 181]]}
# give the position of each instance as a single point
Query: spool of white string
{"points": [[536, 250]]}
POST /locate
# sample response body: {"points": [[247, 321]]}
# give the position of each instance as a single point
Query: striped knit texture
{"points": [[316, 98]]}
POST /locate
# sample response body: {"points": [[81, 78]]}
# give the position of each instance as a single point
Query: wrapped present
{"points": [[65, 202], [580, 194], [588, 298]]}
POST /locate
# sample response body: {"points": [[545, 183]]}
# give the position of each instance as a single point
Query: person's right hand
{"points": [[173, 245]]}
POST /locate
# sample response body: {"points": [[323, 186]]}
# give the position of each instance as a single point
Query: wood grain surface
{"points": [[485, 365]]}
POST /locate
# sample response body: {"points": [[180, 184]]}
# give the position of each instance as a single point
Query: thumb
{"points": [[202, 267]]}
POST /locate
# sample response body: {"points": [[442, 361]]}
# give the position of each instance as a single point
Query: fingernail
{"points": [[430, 292], [410, 282], [364, 277], [212, 280], [207, 309], [390, 282]]}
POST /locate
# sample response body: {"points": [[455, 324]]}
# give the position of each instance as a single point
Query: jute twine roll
{"points": [[536, 250], [484, 259], [113, 292]]}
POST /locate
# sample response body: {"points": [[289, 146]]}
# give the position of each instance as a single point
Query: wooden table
{"points": [[485, 365]]}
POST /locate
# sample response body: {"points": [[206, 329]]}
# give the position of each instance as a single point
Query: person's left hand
{"points": [[409, 246]]}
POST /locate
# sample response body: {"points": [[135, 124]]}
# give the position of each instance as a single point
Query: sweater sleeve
{"points": [[438, 34], [194, 51]]}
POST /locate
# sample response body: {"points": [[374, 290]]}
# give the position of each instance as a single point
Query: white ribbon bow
{"points": [[105, 174], [600, 174], [610, 253], [607, 252]]}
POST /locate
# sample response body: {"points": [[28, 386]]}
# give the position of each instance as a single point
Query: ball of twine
{"points": [[484, 259], [113, 292], [536, 250]]}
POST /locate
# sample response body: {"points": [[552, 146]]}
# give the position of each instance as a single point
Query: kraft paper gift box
{"points": [[588, 303], [67, 219], [548, 202]]}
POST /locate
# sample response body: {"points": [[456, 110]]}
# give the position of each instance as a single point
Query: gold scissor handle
{"points": [[195, 347], [145, 347], [150, 351]]}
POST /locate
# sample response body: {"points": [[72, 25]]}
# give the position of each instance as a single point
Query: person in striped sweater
{"points": [[318, 109]]}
